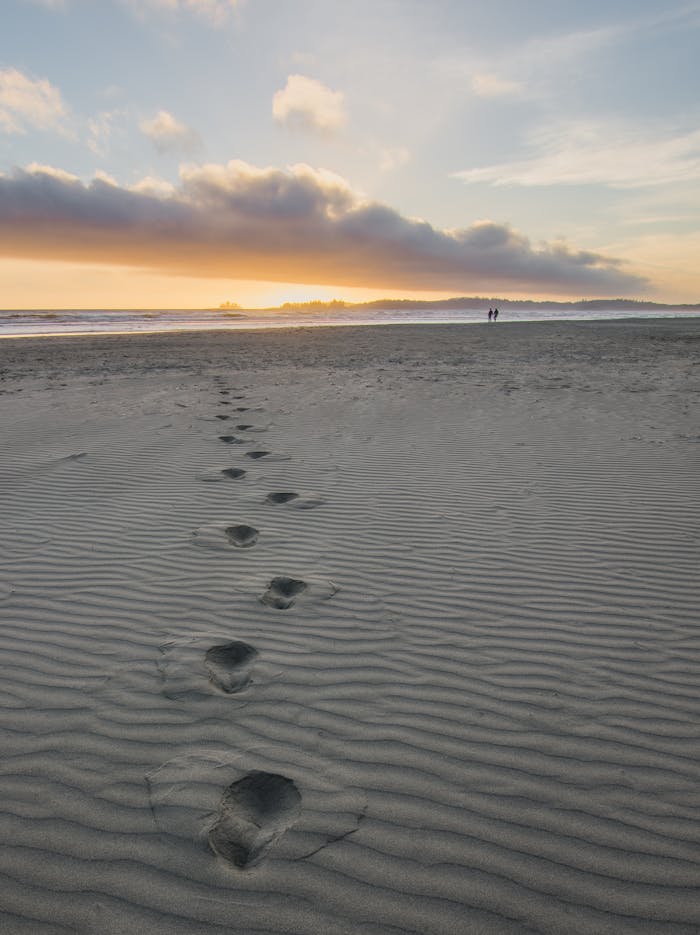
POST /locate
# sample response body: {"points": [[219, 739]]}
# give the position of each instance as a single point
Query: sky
{"points": [[184, 153]]}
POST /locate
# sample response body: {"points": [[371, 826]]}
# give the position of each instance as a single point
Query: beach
{"points": [[352, 630]]}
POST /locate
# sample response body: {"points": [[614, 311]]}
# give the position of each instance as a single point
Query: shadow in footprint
{"points": [[223, 417], [256, 455], [244, 426], [268, 801], [236, 473], [233, 440], [254, 812], [242, 408], [297, 501], [230, 665], [281, 497], [283, 592], [243, 536]]}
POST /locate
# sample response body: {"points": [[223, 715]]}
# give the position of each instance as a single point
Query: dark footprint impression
{"points": [[243, 536], [255, 455], [245, 426], [233, 440], [283, 592], [299, 502], [254, 812], [281, 497], [236, 473], [230, 665], [223, 417]]}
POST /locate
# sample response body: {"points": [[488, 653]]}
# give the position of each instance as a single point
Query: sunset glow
{"points": [[260, 152]]}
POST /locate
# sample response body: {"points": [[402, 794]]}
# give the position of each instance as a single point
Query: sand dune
{"points": [[407, 642]]}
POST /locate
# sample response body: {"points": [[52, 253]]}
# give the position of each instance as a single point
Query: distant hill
{"points": [[477, 302]]}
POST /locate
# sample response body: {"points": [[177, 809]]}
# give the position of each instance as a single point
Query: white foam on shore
{"points": [[486, 694]]}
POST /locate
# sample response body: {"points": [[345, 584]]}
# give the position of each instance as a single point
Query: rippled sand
{"points": [[364, 630]]}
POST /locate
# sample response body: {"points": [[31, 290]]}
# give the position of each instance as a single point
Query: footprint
{"points": [[223, 417], [242, 408], [218, 474], [233, 440], [256, 455], [224, 392], [196, 667], [254, 812], [244, 426], [230, 665], [283, 592], [225, 536], [243, 536], [269, 801], [282, 497]]}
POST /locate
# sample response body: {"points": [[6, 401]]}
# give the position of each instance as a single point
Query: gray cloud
{"points": [[300, 225]]}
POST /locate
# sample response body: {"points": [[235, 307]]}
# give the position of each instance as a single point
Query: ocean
{"points": [[21, 323]]}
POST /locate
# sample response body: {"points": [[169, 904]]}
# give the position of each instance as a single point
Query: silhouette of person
{"points": [[490, 314], [495, 314]]}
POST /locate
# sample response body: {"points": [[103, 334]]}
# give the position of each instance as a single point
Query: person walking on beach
{"points": [[495, 314], [490, 314]]}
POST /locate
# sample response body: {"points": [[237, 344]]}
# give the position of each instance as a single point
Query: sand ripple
{"points": [[481, 711]]}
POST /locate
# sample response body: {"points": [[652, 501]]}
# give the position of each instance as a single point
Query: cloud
{"points": [[587, 153], [487, 84], [149, 185], [28, 103], [300, 225], [306, 104], [529, 67], [101, 129], [37, 168], [534, 67], [168, 135]]}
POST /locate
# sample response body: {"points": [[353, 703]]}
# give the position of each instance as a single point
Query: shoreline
{"points": [[306, 326], [284, 326]]}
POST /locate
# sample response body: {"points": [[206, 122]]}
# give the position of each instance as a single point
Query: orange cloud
{"points": [[301, 225]]}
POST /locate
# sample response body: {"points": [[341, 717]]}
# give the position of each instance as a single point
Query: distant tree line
{"points": [[472, 302]]}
